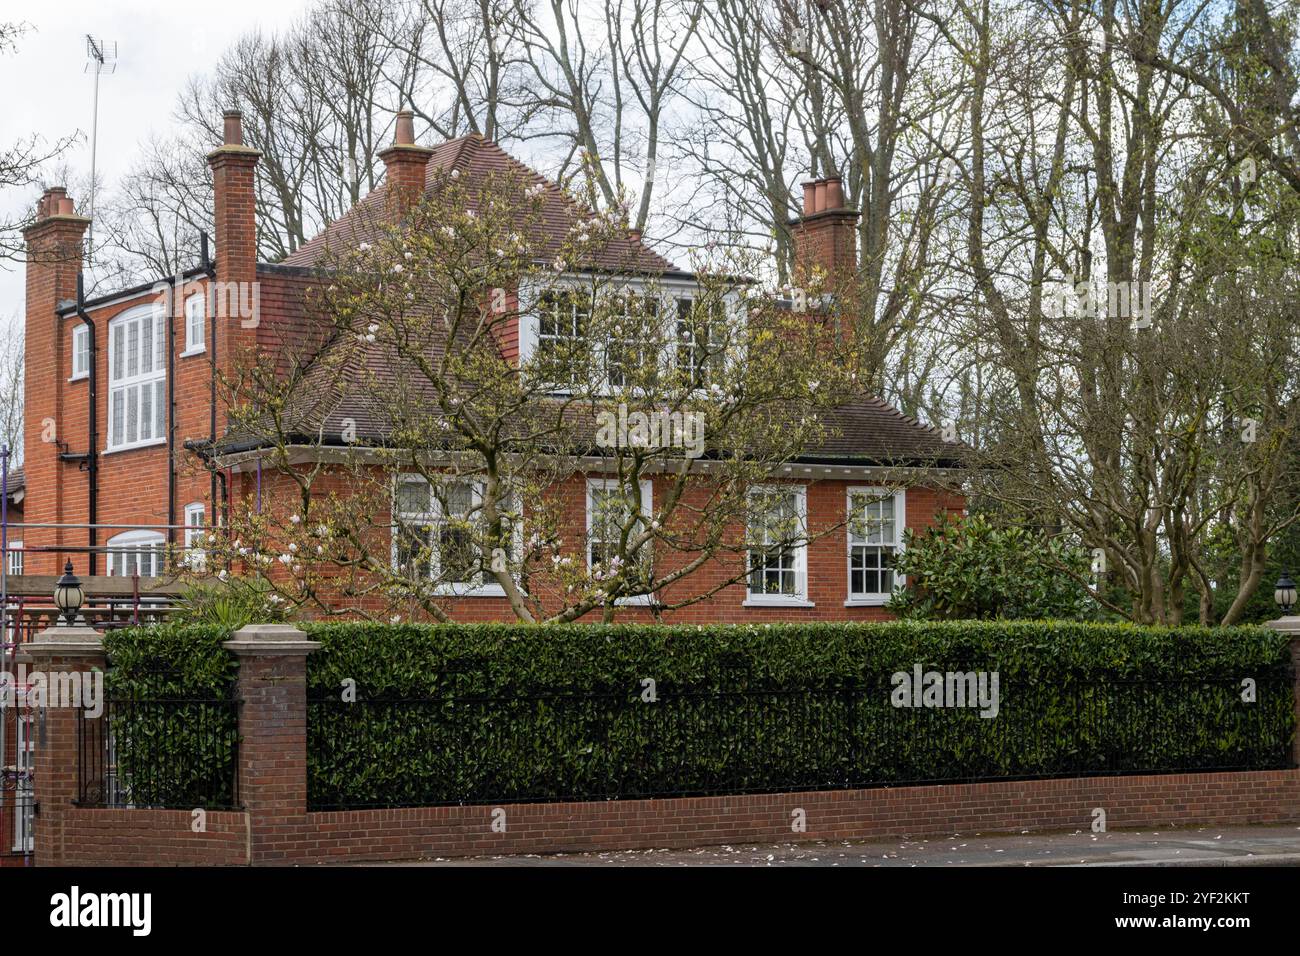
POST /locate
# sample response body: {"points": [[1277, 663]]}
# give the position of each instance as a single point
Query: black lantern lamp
{"points": [[1284, 593], [68, 595]]}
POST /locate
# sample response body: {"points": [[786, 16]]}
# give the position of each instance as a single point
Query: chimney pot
{"points": [[405, 135], [809, 198], [232, 128], [820, 200], [834, 193], [66, 207], [634, 235]]}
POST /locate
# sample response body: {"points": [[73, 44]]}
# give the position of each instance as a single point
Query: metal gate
{"points": [[18, 733]]}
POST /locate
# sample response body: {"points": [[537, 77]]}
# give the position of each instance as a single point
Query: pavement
{"points": [[1196, 846]]}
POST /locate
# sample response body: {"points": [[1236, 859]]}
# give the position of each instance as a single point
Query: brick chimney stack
{"points": [[54, 257], [405, 163], [825, 236], [233, 180], [234, 214]]}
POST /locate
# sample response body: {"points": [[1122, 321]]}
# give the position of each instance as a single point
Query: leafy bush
{"points": [[967, 569], [494, 713], [231, 604]]}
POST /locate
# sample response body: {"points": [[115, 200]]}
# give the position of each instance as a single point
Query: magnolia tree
{"points": [[409, 457]]}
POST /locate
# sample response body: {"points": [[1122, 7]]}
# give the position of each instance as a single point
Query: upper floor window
{"points": [[778, 551], [627, 338], [135, 552], [440, 533], [195, 323], [81, 351], [137, 373], [15, 560], [875, 536], [563, 343], [701, 340], [631, 351]]}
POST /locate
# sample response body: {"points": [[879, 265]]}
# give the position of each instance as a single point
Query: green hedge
{"points": [[173, 715], [487, 713]]}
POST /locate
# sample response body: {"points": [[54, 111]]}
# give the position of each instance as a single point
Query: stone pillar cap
{"points": [[1287, 625], [270, 639], [63, 641]]}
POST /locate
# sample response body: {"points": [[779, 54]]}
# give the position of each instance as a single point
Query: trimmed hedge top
{"points": [[412, 659]]}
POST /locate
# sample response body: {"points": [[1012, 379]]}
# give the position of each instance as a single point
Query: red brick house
{"points": [[120, 395]]}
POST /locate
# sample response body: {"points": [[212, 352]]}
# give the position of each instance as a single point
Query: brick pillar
{"points": [[272, 776], [1290, 625], [56, 761]]}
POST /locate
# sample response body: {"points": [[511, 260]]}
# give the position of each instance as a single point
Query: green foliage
{"points": [[962, 569], [488, 712], [231, 604], [172, 714]]}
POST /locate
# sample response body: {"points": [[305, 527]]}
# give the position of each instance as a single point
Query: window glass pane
{"points": [[115, 431], [132, 349], [146, 344], [413, 497], [132, 412], [119, 350], [146, 413]]}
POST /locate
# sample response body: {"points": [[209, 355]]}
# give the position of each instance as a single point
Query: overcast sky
{"points": [[160, 44]]}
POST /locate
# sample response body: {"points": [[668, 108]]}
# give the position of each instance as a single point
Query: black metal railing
{"points": [[468, 747], [178, 753]]}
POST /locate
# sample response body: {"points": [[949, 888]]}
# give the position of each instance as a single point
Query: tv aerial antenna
{"points": [[101, 58]]}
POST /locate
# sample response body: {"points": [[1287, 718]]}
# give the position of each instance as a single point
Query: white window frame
{"points": [[135, 542], [24, 794], [484, 588], [196, 325], [800, 552], [668, 292], [899, 496], [14, 559], [122, 384], [196, 513], [80, 352], [646, 486]]}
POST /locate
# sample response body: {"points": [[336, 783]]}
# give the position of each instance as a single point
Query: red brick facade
{"points": [[133, 484]]}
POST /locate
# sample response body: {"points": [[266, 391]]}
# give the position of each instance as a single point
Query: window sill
{"points": [[777, 602], [190, 353], [83, 377], [470, 590], [880, 601], [152, 443]]}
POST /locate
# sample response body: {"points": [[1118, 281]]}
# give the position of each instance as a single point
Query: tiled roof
{"points": [[477, 158]]}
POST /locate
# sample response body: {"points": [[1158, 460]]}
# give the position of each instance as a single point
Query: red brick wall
{"points": [[827, 560], [121, 837]]}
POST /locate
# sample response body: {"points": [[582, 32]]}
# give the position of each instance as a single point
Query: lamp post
{"points": [[68, 595], [1284, 593]]}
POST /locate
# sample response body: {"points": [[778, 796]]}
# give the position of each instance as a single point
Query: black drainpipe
{"points": [[211, 319], [92, 454], [171, 406]]}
